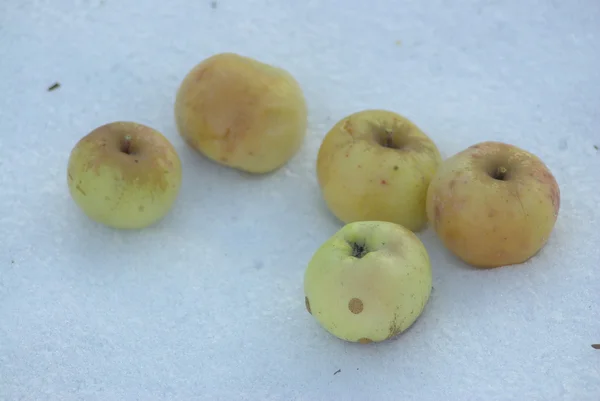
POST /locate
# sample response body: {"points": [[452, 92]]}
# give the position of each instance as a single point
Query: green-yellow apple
{"points": [[369, 282], [377, 165], [124, 175], [242, 113], [493, 204]]}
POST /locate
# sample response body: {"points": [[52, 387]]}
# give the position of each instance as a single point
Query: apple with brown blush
{"points": [[493, 204], [124, 175]]}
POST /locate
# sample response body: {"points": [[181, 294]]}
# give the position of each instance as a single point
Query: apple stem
{"points": [[500, 173], [126, 148], [389, 141]]}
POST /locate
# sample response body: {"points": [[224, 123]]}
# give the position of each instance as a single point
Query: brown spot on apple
{"points": [[396, 168], [348, 127], [70, 177], [365, 340], [384, 182], [355, 306], [141, 208], [80, 190], [307, 304]]}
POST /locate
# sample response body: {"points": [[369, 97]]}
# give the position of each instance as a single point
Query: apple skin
{"points": [[124, 175], [362, 179], [242, 113], [374, 297], [488, 222]]}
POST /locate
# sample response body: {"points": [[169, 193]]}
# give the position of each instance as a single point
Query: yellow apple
{"points": [[369, 282], [242, 113], [493, 204], [377, 165], [124, 175]]}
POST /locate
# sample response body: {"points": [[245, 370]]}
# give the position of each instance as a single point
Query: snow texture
{"points": [[208, 304]]}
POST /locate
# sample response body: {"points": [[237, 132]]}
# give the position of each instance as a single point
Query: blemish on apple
{"points": [[404, 290], [395, 328], [307, 304], [384, 182], [355, 306], [80, 190], [437, 214], [348, 127], [200, 73]]}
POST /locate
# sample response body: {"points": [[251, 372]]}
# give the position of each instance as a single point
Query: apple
{"points": [[493, 204], [368, 282], [124, 175], [242, 113], [377, 165]]}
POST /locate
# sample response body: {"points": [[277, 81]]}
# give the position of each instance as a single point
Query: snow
{"points": [[208, 304]]}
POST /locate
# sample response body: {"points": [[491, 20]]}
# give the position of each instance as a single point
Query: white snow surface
{"points": [[209, 304]]}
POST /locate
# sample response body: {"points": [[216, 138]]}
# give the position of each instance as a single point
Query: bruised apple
{"points": [[241, 113], [493, 204], [369, 282], [377, 165]]}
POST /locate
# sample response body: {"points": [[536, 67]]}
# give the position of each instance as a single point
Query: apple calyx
{"points": [[358, 250]]}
